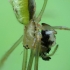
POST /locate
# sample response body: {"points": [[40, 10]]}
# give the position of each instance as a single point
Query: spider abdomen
{"points": [[23, 9]]}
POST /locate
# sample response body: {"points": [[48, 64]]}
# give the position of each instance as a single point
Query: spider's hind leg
{"points": [[47, 57], [55, 49]]}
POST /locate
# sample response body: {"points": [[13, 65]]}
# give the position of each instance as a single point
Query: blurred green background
{"points": [[57, 12]]}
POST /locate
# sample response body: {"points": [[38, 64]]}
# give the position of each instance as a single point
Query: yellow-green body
{"points": [[20, 8]]}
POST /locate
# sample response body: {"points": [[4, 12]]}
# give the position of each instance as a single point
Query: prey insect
{"points": [[39, 38]]}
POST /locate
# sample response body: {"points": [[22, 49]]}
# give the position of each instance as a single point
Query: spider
{"points": [[36, 36]]}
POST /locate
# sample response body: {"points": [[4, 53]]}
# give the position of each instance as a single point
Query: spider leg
{"points": [[41, 12], [53, 51], [25, 55], [10, 51], [47, 57], [32, 53], [37, 52], [61, 27]]}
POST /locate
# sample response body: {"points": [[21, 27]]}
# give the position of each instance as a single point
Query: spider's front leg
{"points": [[47, 57], [55, 49], [7, 54], [61, 27]]}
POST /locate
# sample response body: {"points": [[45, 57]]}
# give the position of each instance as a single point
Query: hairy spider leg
{"points": [[38, 19], [55, 49], [61, 27], [7, 54]]}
